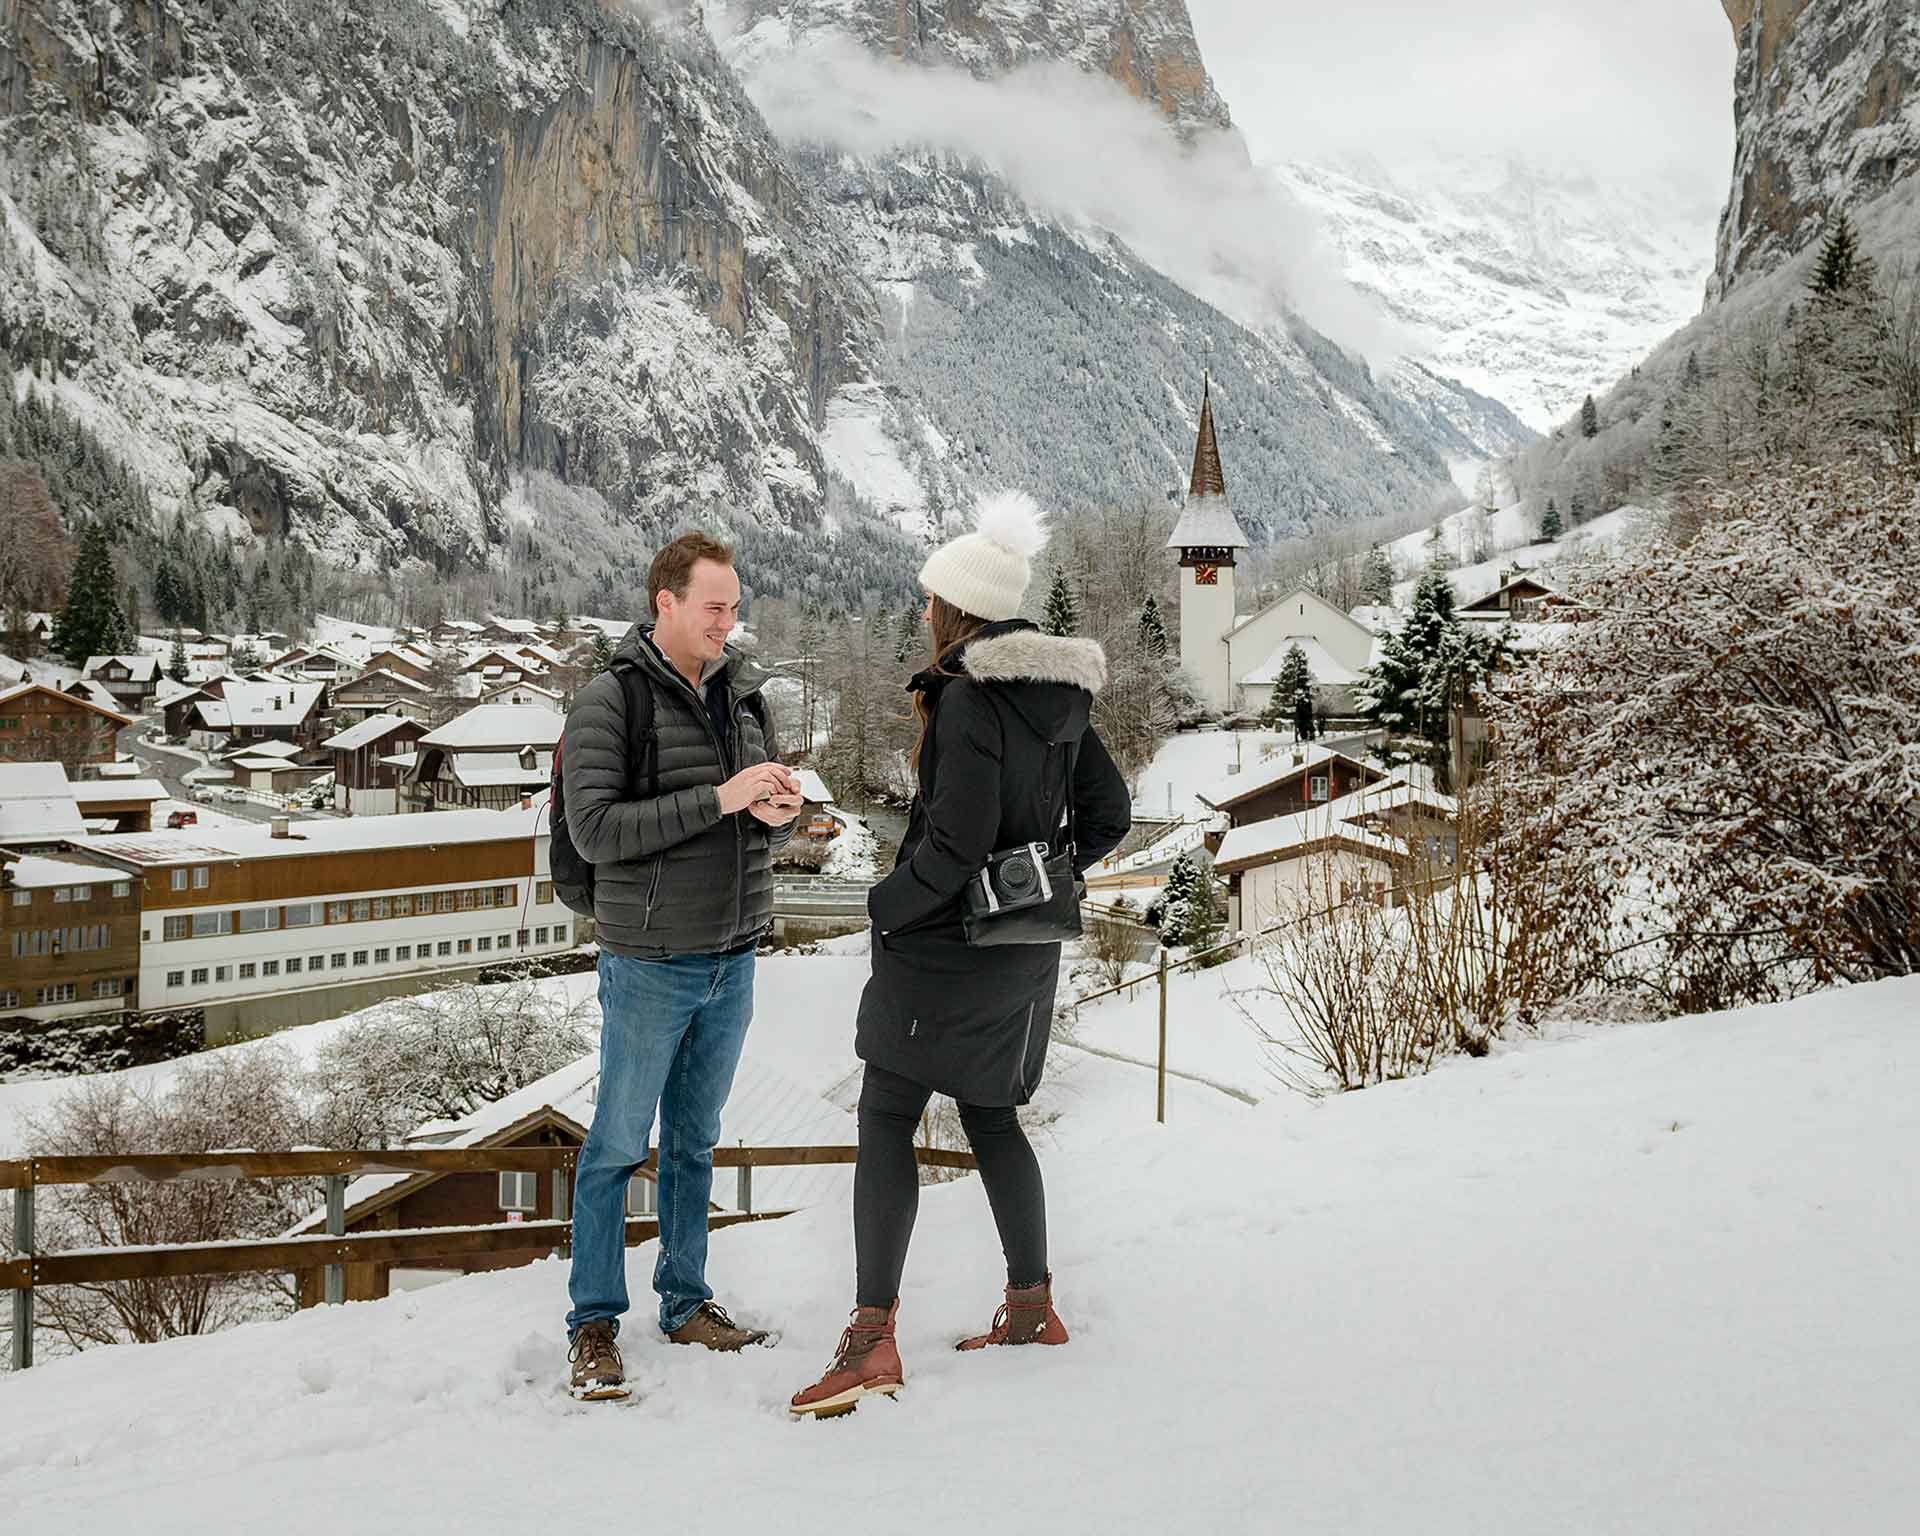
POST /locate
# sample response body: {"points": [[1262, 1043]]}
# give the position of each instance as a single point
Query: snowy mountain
{"points": [[1529, 285]]}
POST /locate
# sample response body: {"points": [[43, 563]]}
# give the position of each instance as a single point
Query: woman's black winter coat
{"points": [[973, 1023]]}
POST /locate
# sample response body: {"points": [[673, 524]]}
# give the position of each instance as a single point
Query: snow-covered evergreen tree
{"points": [[1296, 689], [602, 652], [92, 623], [1153, 631], [906, 633], [1589, 418], [177, 659], [1062, 613], [1376, 576], [1190, 909], [1550, 525]]}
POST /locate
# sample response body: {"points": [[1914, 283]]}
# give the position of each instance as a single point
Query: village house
{"points": [[523, 693], [366, 777], [39, 723], [117, 804], [455, 632], [1295, 778], [261, 711], [38, 812], [406, 660], [489, 756], [70, 934], [130, 679], [262, 927], [1519, 597], [383, 692]]}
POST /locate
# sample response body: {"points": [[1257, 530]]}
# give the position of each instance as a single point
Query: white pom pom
{"points": [[1012, 520]]}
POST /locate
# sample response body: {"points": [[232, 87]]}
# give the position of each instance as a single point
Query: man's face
{"points": [[699, 623]]}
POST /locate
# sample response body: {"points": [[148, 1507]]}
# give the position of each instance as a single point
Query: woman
{"points": [[1003, 732]]}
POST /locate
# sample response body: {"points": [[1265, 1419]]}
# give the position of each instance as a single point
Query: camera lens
{"points": [[1017, 876]]}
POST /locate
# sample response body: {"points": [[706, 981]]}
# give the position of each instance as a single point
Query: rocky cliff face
{"points": [[1827, 113], [337, 273], [1146, 45]]}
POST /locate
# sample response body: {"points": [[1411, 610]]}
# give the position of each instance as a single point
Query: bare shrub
{"points": [[228, 1101], [441, 1056], [1112, 942]]}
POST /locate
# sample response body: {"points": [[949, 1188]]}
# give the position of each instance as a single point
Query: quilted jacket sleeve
{"points": [[605, 824]]}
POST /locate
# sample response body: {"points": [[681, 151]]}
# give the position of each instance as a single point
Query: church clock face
{"points": [[1206, 575]]}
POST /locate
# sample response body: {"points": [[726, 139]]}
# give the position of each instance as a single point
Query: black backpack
{"points": [[573, 874]]}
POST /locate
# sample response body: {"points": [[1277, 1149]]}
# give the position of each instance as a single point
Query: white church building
{"points": [[1234, 660]]}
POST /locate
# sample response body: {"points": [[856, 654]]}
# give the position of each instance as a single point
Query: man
{"points": [[679, 819]]}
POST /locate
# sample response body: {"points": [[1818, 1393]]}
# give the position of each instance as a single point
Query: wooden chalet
{"points": [[1295, 779], [488, 757], [41, 724], [131, 680], [383, 691], [1519, 597], [366, 779]]}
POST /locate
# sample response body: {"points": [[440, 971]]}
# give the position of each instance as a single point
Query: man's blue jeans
{"points": [[671, 1033]]}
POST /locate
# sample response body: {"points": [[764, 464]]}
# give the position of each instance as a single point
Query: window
{"points": [[523, 938], [543, 892], [466, 946], [403, 905], [179, 879], [1317, 787], [445, 949], [207, 924], [259, 919], [337, 912], [123, 888], [380, 906], [639, 1196], [404, 952], [23, 898], [111, 986], [199, 975], [176, 978], [223, 973], [503, 895], [465, 900], [541, 935], [9, 998], [199, 877], [305, 915], [517, 1191], [362, 910], [486, 941], [293, 965], [316, 962], [340, 960], [443, 901], [359, 957], [175, 928], [560, 934], [480, 898], [272, 967], [64, 892], [246, 970], [59, 992], [506, 941]]}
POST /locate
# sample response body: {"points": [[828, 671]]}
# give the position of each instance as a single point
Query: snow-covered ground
{"points": [[1191, 761], [1658, 1278], [1511, 536]]}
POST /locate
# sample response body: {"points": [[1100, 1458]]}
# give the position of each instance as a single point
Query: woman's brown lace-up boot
{"points": [[867, 1364], [1027, 1317]]}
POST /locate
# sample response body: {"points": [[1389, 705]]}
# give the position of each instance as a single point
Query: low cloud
{"points": [[1080, 148]]}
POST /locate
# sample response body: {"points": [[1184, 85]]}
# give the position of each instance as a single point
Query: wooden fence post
{"points": [[335, 1275], [1160, 1091], [23, 1298], [745, 1192]]}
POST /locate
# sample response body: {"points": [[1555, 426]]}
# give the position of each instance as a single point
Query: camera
{"points": [[1015, 878]]}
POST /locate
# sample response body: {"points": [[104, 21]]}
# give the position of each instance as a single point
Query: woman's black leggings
{"points": [[886, 1185]]}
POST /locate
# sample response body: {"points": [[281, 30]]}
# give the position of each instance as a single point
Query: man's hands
{"points": [[766, 789]]}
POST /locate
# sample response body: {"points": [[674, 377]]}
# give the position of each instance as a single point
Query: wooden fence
{"points": [[331, 1250]]}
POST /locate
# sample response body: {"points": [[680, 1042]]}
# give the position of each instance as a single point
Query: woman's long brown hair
{"points": [[950, 626]]}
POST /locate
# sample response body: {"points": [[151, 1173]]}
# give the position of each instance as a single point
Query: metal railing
{"points": [[30, 1267]]}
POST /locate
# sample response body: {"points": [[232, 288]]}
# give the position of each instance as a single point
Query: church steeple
{"points": [[1208, 478]]}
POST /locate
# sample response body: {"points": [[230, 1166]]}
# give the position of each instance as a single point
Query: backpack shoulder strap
{"points": [[638, 694]]}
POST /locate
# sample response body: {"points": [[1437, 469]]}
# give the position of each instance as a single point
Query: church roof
{"points": [[1208, 520]]}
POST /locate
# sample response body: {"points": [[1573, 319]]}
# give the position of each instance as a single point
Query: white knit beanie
{"points": [[985, 573]]}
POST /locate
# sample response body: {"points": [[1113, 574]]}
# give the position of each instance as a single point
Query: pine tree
{"points": [[1062, 613], [1296, 688], [602, 652], [1277, 713], [1153, 633], [1589, 418], [1190, 912], [906, 633], [1836, 269], [1550, 525], [1376, 577], [177, 659], [1691, 380], [92, 623]]}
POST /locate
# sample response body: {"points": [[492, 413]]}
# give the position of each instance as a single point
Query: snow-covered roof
{"points": [[1207, 522], [399, 680], [254, 762], [1375, 616], [94, 693], [1284, 836], [88, 792], [401, 759], [521, 687], [513, 626], [1320, 662], [368, 730], [265, 704], [34, 872], [477, 770], [253, 840], [36, 801], [1283, 765], [264, 749], [499, 725], [21, 690], [119, 769], [140, 668]]}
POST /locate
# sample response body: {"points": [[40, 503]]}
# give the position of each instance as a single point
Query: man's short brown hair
{"points": [[672, 568]]}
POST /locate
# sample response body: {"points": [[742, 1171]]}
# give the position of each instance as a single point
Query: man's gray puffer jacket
{"points": [[672, 876]]}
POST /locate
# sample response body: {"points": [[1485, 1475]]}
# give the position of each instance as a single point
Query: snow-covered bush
{"points": [[1710, 790], [440, 1056]]}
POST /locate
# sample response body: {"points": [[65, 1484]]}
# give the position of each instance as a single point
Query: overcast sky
{"points": [[1643, 86]]}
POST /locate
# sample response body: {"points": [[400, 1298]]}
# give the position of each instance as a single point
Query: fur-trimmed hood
{"points": [[1027, 655]]}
